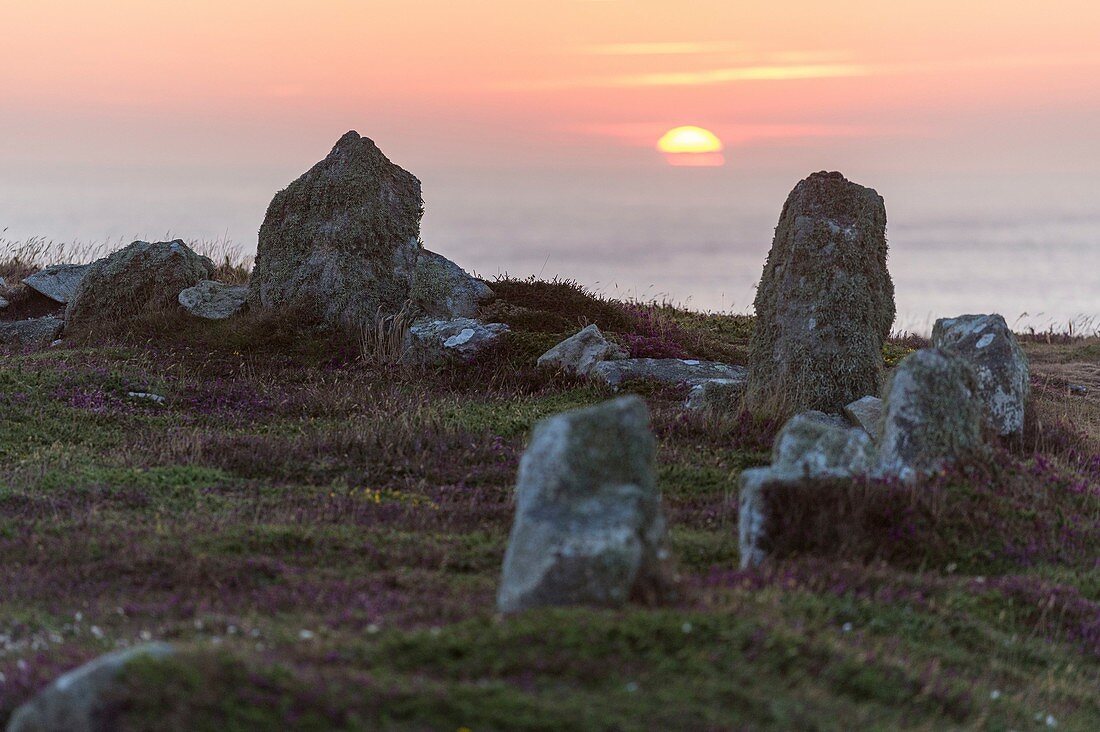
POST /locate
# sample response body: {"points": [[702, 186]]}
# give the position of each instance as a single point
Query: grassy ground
{"points": [[324, 536]]}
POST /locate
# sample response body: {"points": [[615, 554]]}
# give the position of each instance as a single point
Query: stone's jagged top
{"points": [[827, 175], [825, 303], [343, 239]]}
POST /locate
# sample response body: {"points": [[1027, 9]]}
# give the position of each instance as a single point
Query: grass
{"points": [[322, 535]]}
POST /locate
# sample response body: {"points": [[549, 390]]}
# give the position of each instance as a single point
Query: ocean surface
{"points": [[1026, 248]]}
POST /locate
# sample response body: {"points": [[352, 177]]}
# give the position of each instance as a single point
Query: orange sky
{"points": [[921, 83]]}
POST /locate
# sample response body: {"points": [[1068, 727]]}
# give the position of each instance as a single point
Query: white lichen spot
{"points": [[985, 340], [460, 338]]}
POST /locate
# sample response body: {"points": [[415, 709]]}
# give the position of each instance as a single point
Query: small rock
{"points": [[866, 413], [31, 333], [76, 701], [59, 282], [432, 340], [1077, 389], [669, 370], [135, 280], [156, 398], [991, 349], [4, 304], [212, 300], [813, 444], [442, 289], [932, 416], [588, 528], [579, 353], [716, 395]]}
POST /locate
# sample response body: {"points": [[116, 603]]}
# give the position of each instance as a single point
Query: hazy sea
{"points": [[1026, 248]]}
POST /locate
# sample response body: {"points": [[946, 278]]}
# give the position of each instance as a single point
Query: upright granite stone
{"points": [[825, 303], [343, 240], [588, 528], [441, 288], [135, 280], [59, 282], [932, 416], [991, 349], [77, 701], [580, 352]]}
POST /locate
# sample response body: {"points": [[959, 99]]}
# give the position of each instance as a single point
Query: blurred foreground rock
{"points": [[588, 528]]}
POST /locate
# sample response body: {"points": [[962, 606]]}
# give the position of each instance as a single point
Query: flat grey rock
{"points": [[580, 352], [589, 528], [431, 340], [74, 702], [59, 282], [212, 300], [715, 395], [991, 349], [668, 370], [31, 333]]}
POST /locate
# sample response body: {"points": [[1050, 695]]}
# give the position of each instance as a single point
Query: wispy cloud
{"points": [[741, 73], [662, 48]]}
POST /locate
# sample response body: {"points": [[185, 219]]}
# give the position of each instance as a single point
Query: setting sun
{"points": [[689, 139]]}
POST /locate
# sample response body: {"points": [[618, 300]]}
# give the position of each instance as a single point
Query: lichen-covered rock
{"points": [[588, 528], [441, 288], [668, 370], [33, 333], [59, 282], [580, 352], [813, 444], [135, 280], [212, 300], [825, 303], [343, 238], [866, 413], [715, 396], [932, 416], [991, 349], [77, 700], [4, 303], [432, 341]]}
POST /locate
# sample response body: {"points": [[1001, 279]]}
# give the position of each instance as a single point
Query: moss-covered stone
{"points": [[341, 241], [825, 303]]}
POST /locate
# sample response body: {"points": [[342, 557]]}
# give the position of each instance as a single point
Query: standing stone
{"points": [[932, 416], [141, 278], [580, 352], [825, 303], [212, 300], [77, 701], [991, 349], [59, 282], [343, 239], [441, 288], [589, 528]]}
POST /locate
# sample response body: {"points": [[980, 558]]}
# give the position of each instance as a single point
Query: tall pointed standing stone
{"points": [[825, 303], [343, 239]]}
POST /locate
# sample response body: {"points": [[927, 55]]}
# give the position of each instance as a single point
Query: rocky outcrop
{"points": [[867, 414], [77, 700], [59, 282], [579, 353], [212, 300], [668, 370], [33, 333], [717, 396], [932, 416], [441, 288], [141, 278], [434, 341], [344, 238], [588, 528], [1000, 365], [825, 303]]}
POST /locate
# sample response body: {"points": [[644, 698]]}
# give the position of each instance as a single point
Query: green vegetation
{"points": [[323, 536]]}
